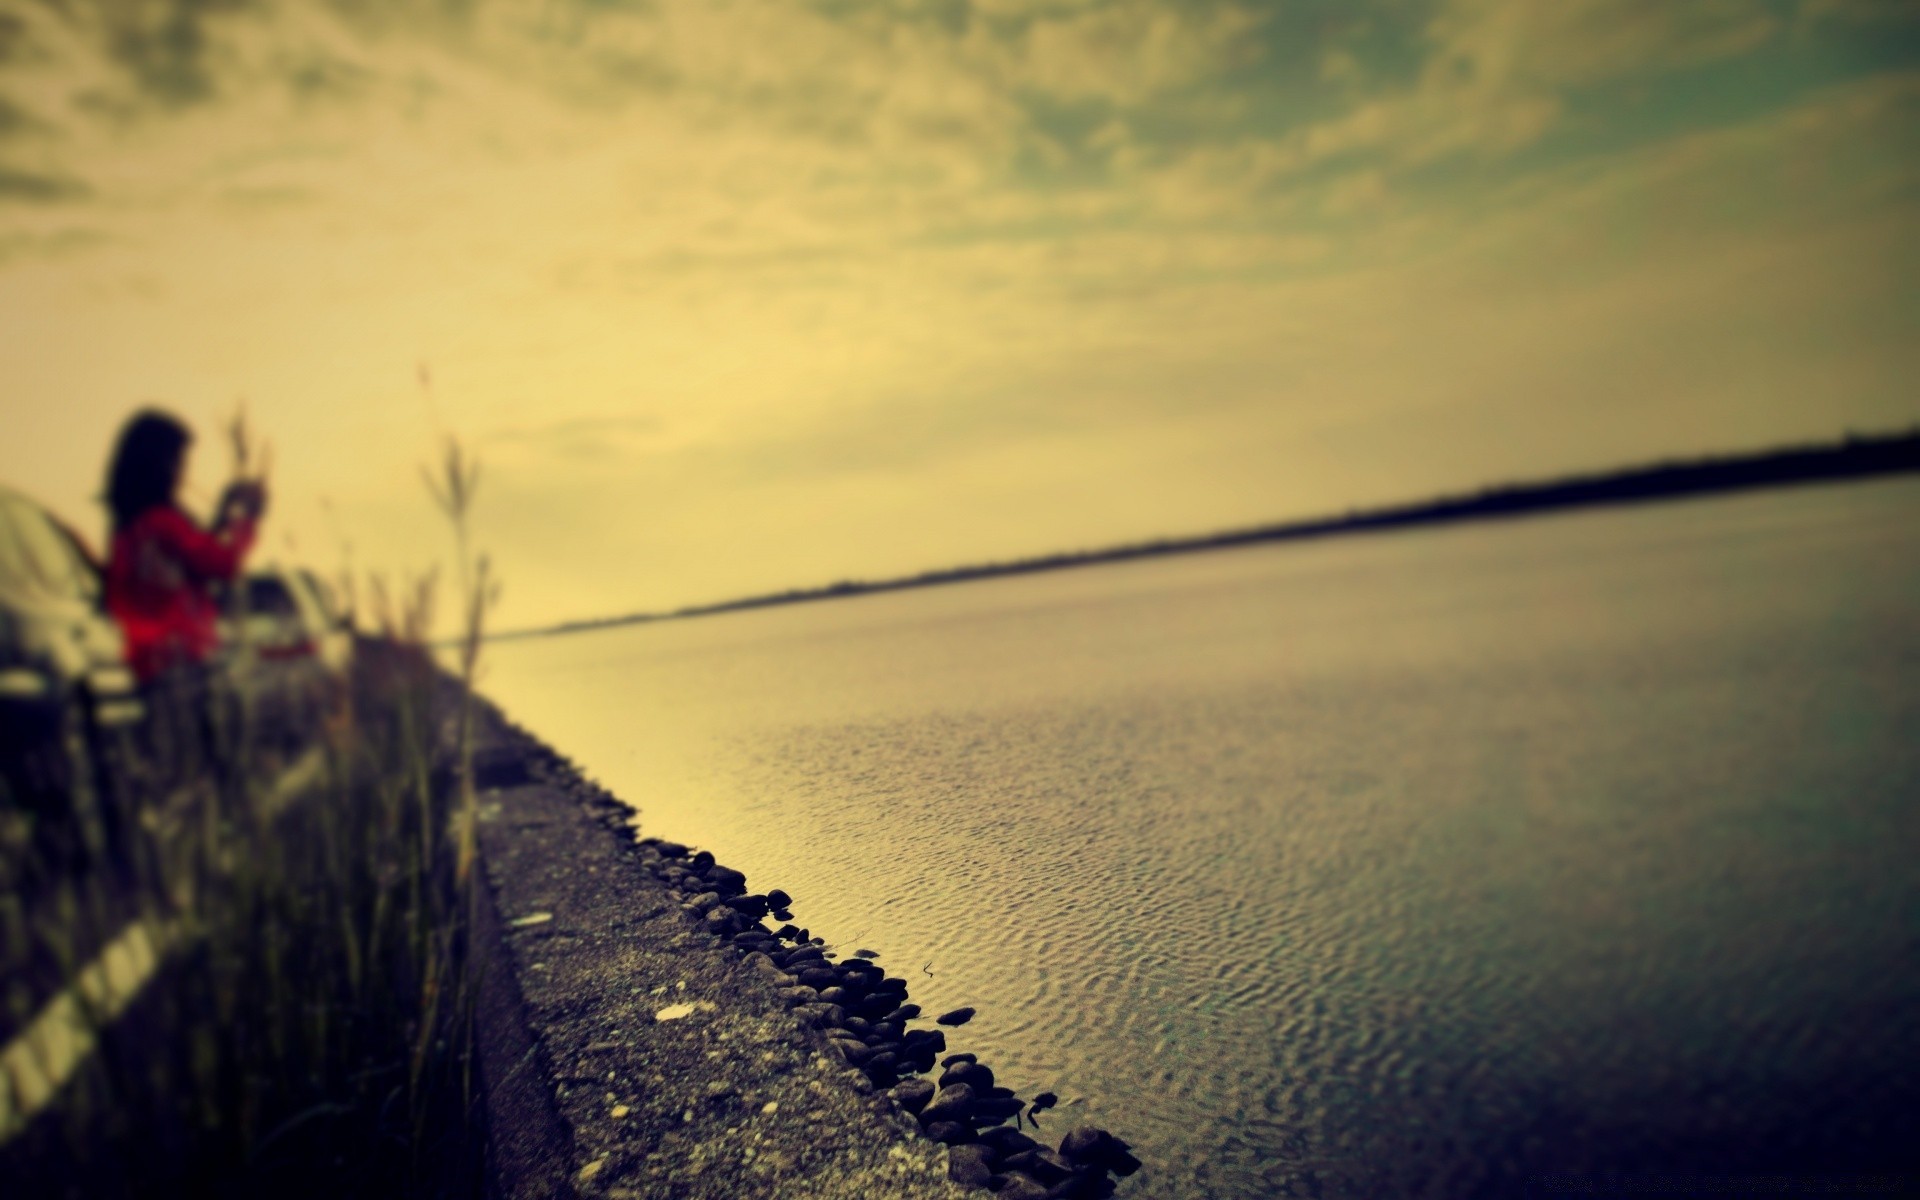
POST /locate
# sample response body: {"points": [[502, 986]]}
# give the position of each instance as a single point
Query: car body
{"points": [[283, 649], [68, 701], [333, 639]]}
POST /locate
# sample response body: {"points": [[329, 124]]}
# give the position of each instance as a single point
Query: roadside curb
{"points": [[627, 1054]]}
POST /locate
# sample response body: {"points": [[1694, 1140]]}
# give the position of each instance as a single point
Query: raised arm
{"points": [[209, 555]]}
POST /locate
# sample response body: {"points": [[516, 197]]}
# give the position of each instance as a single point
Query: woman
{"points": [[161, 568], [162, 564]]}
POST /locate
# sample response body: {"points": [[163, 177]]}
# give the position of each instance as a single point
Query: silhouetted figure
{"points": [[162, 565], [161, 569]]}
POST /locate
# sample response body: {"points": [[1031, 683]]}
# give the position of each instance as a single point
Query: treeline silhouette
{"points": [[1856, 457]]}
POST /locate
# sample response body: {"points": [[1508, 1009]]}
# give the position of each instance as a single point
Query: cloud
{"points": [[34, 187], [1497, 72], [769, 272]]}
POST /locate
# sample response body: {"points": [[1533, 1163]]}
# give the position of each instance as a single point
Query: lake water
{"points": [[1407, 864]]}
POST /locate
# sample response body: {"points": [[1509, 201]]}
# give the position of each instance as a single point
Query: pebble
{"points": [[952, 1103], [948, 1133], [1022, 1187], [913, 1094], [972, 1073], [1085, 1144], [865, 1014], [969, 1165], [1006, 1140]]}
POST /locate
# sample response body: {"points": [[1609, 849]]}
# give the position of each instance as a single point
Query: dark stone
{"points": [[932, 1039], [777, 898], [866, 953], [959, 1016], [834, 995], [821, 1016], [1041, 1163], [913, 1094], [785, 932], [1006, 1140], [991, 1110], [916, 1058], [855, 1025], [951, 1133], [949, 1104], [817, 977], [1021, 1187], [969, 1166], [703, 858], [796, 996], [962, 1057], [724, 921], [704, 901], [890, 1030], [882, 1060], [1085, 1144], [670, 849], [857, 1053], [726, 880], [751, 907], [781, 914], [1121, 1161], [831, 1016], [903, 1014], [1045, 1100], [874, 1008], [977, 1076]]}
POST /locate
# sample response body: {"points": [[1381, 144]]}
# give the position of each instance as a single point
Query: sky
{"points": [[729, 296]]}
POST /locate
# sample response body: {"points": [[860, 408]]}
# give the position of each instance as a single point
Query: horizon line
{"points": [[1853, 456]]}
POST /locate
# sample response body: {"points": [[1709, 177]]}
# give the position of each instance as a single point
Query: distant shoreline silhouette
{"points": [[1855, 457]]}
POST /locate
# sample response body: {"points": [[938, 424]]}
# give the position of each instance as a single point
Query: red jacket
{"points": [[157, 581]]}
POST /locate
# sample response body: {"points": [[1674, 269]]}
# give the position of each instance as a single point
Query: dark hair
{"points": [[146, 464]]}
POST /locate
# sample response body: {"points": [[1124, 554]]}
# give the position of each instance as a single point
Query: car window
{"points": [[88, 570], [268, 596]]}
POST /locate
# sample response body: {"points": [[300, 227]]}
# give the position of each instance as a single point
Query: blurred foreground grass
{"points": [[312, 1030], [309, 897]]}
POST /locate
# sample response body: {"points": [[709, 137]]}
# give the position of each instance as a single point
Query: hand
{"points": [[244, 500], [257, 498]]}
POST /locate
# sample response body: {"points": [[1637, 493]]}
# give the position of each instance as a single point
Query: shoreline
{"points": [[645, 1032], [1854, 460]]}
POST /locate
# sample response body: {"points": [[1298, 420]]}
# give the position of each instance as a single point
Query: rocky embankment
{"points": [[679, 1034], [869, 1022]]}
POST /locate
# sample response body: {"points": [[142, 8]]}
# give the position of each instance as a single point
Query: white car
{"points": [[68, 703], [334, 643], [283, 650]]}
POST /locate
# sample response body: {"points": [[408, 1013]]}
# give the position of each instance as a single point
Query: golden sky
{"points": [[732, 295]]}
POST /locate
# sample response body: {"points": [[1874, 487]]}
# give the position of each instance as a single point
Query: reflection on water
{"points": [[1394, 865]]}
